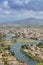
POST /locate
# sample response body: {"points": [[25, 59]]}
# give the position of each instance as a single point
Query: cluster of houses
{"points": [[6, 57], [25, 32], [35, 51], [9, 59], [36, 33]]}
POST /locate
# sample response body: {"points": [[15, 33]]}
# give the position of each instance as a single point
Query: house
{"points": [[1, 63]]}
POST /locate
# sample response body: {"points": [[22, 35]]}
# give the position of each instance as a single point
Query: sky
{"points": [[12, 10]]}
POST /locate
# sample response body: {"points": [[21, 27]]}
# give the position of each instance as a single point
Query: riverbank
{"points": [[7, 57], [24, 40], [33, 52], [40, 64], [10, 59]]}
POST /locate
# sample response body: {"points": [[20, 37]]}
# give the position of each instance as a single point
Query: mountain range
{"points": [[28, 21]]}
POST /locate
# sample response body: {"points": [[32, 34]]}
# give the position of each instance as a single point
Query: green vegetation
{"points": [[40, 45], [14, 40], [24, 40], [40, 64], [5, 50], [28, 54], [1, 40], [27, 51]]}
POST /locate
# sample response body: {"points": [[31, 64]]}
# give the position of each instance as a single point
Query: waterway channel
{"points": [[16, 49], [19, 55]]}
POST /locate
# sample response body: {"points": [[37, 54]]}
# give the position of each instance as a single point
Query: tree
{"points": [[5, 61]]}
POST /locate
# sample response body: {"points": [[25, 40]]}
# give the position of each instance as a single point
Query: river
{"points": [[19, 55], [16, 49]]}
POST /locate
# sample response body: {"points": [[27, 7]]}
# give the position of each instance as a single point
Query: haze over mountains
{"points": [[28, 21]]}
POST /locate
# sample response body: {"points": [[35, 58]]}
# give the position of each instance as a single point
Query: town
{"points": [[23, 32], [34, 52], [10, 35]]}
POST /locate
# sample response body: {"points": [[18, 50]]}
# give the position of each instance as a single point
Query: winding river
{"points": [[16, 49]]}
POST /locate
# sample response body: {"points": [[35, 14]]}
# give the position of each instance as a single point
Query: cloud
{"points": [[12, 15], [27, 1], [18, 4], [36, 5], [11, 10], [7, 12], [5, 3]]}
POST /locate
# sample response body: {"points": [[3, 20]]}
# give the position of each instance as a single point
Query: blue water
{"points": [[16, 49]]}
